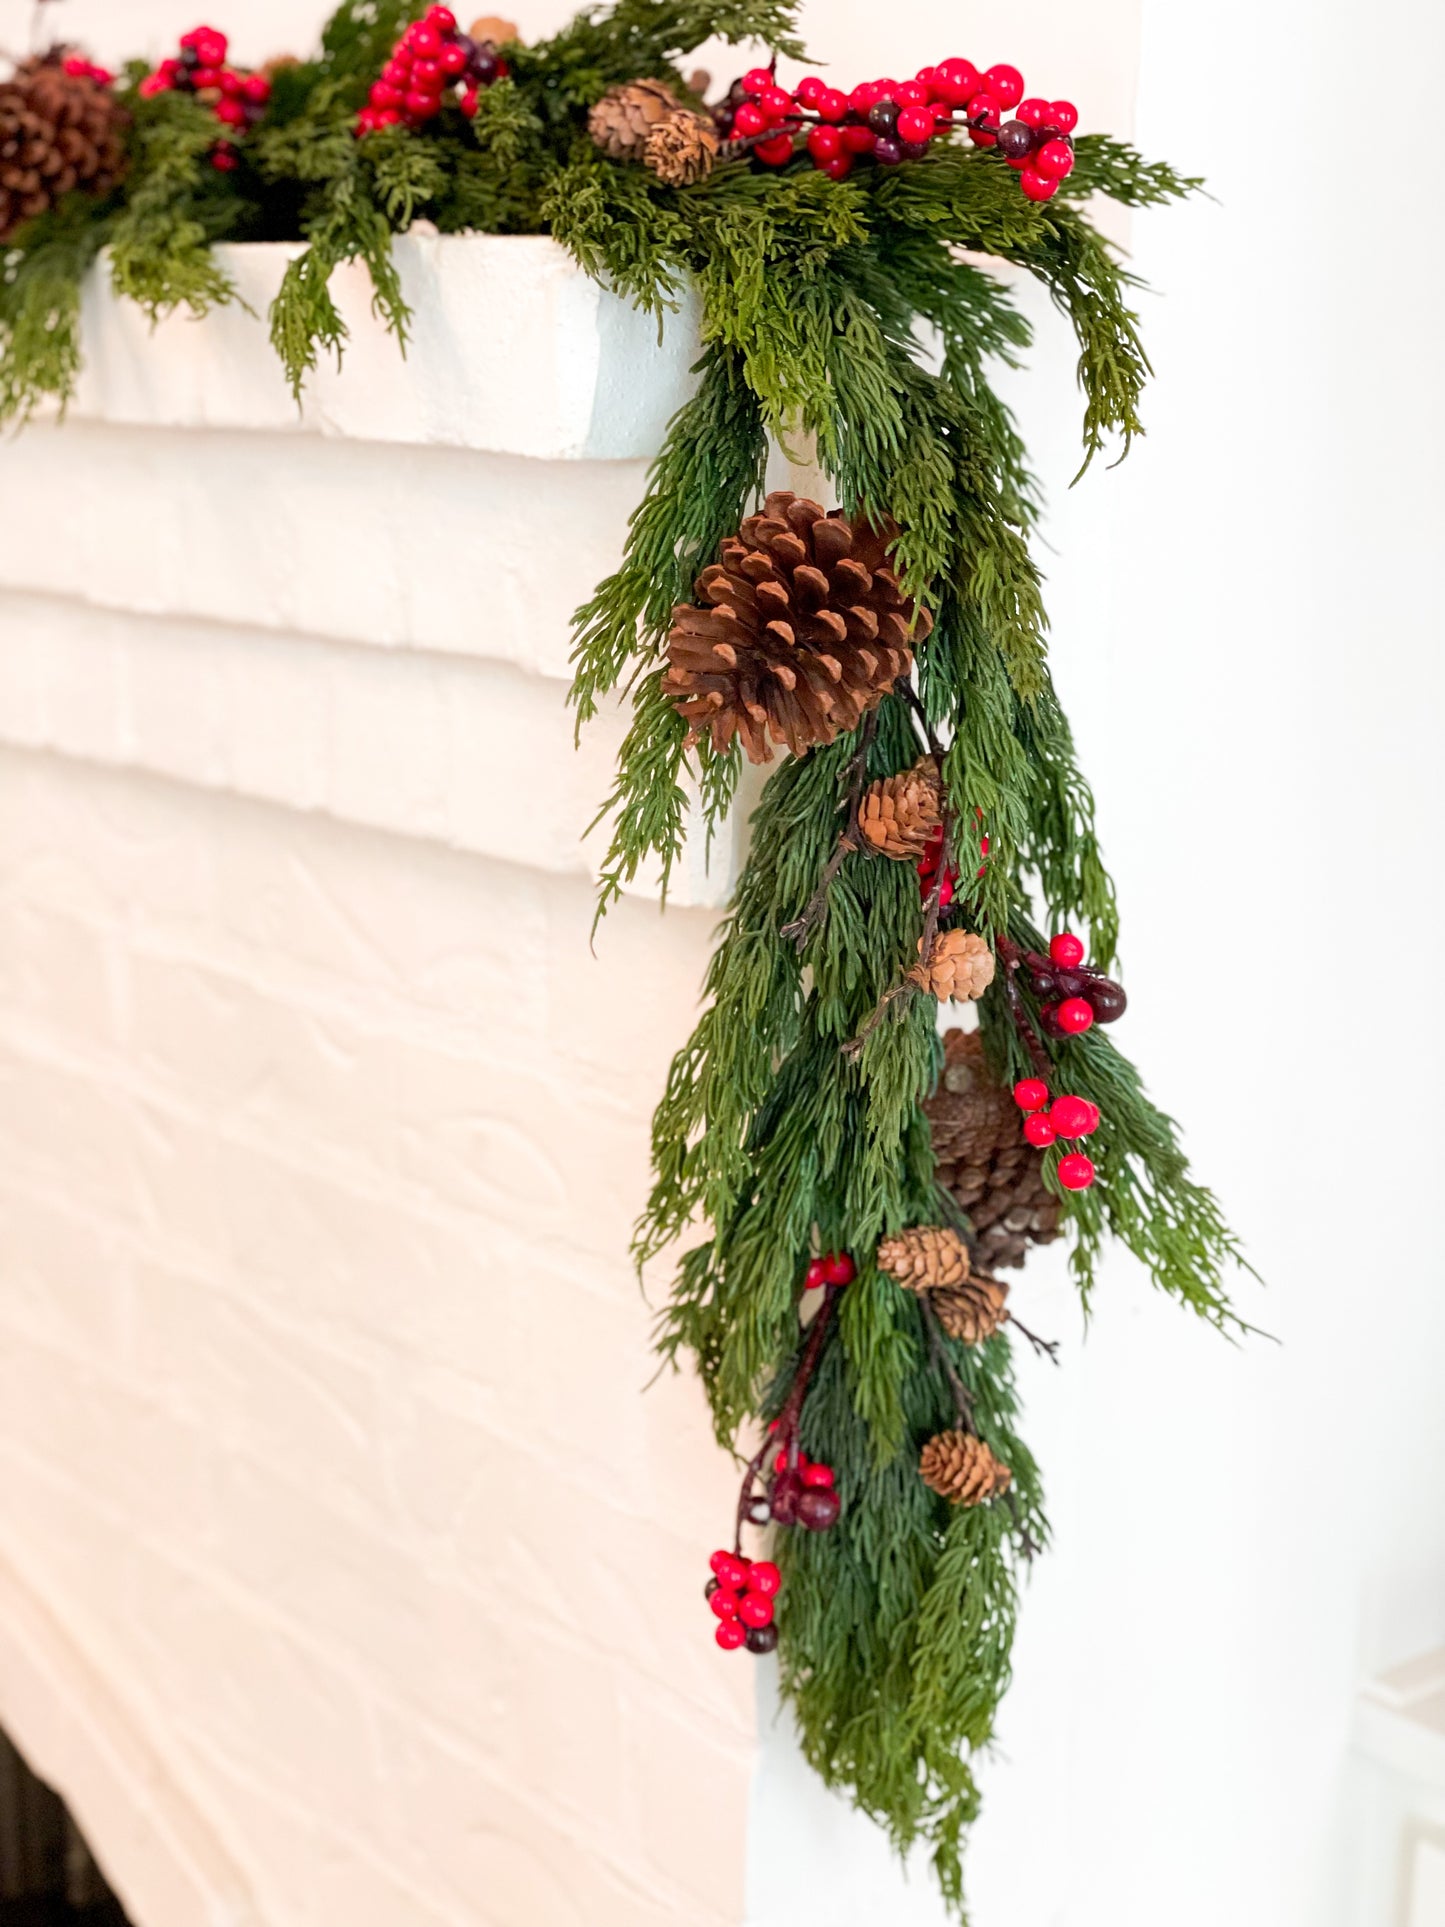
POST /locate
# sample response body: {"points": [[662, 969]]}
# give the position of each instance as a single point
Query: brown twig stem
{"points": [[784, 1437], [849, 840], [962, 1397]]}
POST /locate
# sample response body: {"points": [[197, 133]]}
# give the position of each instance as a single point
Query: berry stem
{"points": [[1011, 957], [785, 1438]]}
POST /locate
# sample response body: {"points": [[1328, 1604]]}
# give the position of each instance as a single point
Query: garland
{"points": [[846, 1183]]}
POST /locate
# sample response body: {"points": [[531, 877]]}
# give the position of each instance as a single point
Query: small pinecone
{"points": [[974, 1312], [682, 149], [899, 813], [983, 1160], [927, 1258], [960, 969], [961, 1469], [800, 628], [58, 131], [493, 30], [623, 119]]}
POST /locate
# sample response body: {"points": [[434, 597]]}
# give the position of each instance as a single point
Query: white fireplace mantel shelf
{"points": [[361, 606]]}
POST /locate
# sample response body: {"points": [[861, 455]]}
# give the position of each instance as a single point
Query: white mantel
{"points": [[346, 1575]]}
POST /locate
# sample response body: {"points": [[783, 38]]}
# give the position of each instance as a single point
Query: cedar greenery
{"points": [[816, 299]]}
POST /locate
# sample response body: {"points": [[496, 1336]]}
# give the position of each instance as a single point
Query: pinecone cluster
{"points": [[991, 1173], [960, 1468], [899, 815], [935, 1259], [61, 128], [959, 969], [645, 121], [800, 628]]}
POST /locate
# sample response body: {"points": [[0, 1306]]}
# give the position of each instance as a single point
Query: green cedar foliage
{"points": [[853, 317]]}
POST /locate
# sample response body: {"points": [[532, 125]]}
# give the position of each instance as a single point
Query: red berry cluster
{"points": [[79, 68], [834, 1268], [802, 1492], [888, 121], [237, 98], [1067, 1117], [1073, 997], [742, 1593], [932, 859], [430, 59]]}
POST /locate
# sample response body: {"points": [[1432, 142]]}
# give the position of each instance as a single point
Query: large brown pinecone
{"points": [[800, 628], [899, 813], [925, 1258], [624, 117], [960, 969], [682, 149], [960, 1468], [983, 1160], [974, 1311], [58, 131]]}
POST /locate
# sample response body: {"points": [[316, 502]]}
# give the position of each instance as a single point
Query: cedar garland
{"points": [[893, 854]]}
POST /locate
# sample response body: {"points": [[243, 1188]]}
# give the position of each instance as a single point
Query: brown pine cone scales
{"points": [[961, 1469], [982, 1159], [623, 119], [960, 969], [681, 149], [899, 813], [800, 628], [926, 1258], [974, 1311], [493, 29], [58, 131]]}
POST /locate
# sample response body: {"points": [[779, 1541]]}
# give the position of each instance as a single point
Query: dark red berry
{"points": [[762, 1639], [888, 152], [1107, 999], [1015, 141], [786, 1492], [883, 119], [818, 1508]]}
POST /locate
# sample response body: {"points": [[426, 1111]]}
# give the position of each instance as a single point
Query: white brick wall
{"points": [[325, 1463]]}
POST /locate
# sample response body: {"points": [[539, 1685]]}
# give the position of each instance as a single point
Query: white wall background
{"points": [[1246, 626]]}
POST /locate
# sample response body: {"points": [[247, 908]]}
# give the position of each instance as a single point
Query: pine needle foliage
{"points": [[856, 319]]}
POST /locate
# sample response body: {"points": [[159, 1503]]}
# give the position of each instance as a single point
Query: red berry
{"points": [[983, 107], [152, 85], [957, 82], [427, 77], [1073, 1015], [1066, 950], [887, 89], [911, 93], [749, 119], [1006, 84], [231, 113], [776, 104], [205, 77], [1038, 1131], [832, 104], [755, 1609], [776, 152], [724, 1603], [945, 893], [811, 90], [1064, 115], [256, 88], [1054, 160], [780, 1463], [757, 78], [865, 96], [1076, 1172], [224, 159], [388, 117], [1070, 1116], [383, 96], [816, 1276], [859, 140], [928, 77], [1033, 112], [1095, 1116], [230, 82], [396, 73], [825, 143], [424, 41], [453, 59], [915, 124], [730, 1635], [838, 168], [819, 1475], [1035, 187], [442, 18], [839, 1268], [731, 1570], [422, 106], [1031, 1094], [471, 101], [765, 1578], [210, 47]]}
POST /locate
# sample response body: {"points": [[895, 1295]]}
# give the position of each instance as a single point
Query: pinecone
{"points": [[492, 30], [899, 813], [681, 149], [961, 967], [960, 1468], [58, 131], [983, 1160], [926, 1258], [974, 1311], [799, 630], [623, 119]]}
